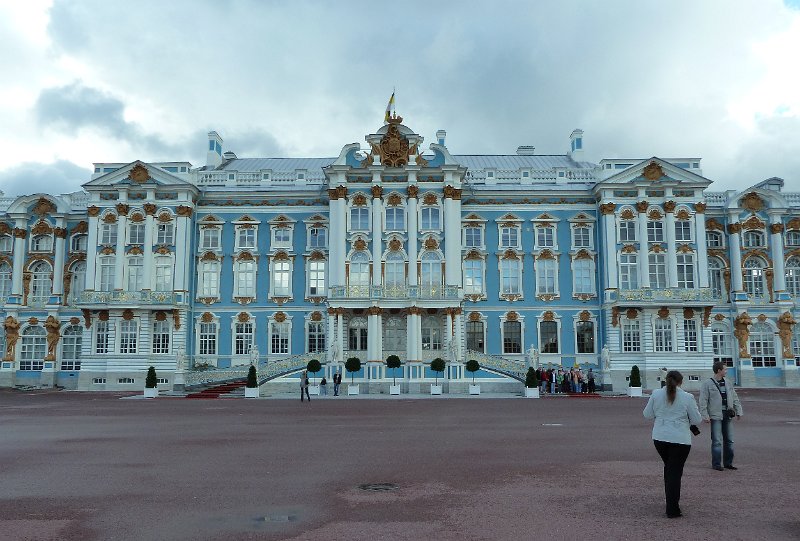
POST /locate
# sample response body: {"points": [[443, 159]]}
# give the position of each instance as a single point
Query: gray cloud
{"points": [[54, 178]]}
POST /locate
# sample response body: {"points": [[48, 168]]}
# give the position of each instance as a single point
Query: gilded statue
{"points": [[11, 326], [53, 327], [785, 324], [742, 333]]}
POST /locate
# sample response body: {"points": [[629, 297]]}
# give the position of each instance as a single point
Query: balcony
{"points": [[447, 293], [671, 295], [129, 299]]}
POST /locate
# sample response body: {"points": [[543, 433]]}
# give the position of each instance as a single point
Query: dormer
{"points": [[214, 150]]}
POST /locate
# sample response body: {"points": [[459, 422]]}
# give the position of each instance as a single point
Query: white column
{"points": [[372, 333], [644, 264], [452, 237], [736, 256], [337, 240], [119, 259], [331, 337], [776, 238], [412, 335], [449, 330], [610, 248], [379, 337], [459, 336], [413, 231], [60, 235], [91, 255], [149, 229], [672, 255], [340, 332], [377, 234], [182, 250], [700, 239], [20, 233]]}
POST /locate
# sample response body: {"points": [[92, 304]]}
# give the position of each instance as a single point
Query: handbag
{"points": [[694, 430]]}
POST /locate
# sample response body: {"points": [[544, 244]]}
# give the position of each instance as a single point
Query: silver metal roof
{"points": [[516, 162], [277, 164]]}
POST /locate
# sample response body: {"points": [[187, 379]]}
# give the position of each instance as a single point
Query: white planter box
{"points": [[634, 391], [394, 389], [313, 389], [151, 393], [531, 393], [252, 392], [474, 389], [436, 389], [352, 389]]}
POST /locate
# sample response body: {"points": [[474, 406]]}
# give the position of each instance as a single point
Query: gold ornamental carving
{"points": [[762, 317], [359, 200], [642, 206], [176, 318], [110, 218], [243, 300], [107, 250], [74, 320], [135, 250], [60, 232], [700, 208], [393, 149], [726, 277], [663, 312], [512, 316], [280, 256], [707, 315], [742, 333], [546, 254], [769, 274], [785, 328], [245, 256], [377, 192], [548, 316], [655, 214], [629, 249], [207, 317], [653, 171], [631, 313], [753, 223], [751, 202], [776, 228], [164, 217], [394, 200], [139, 173], [734, 228], [161, 315], [41, 228], [26, 285], [395, 245], [473, 255], [340, 192], [163, 249], [794, 223], [510, 254], [688, 313], [607, 208], [413, 191], [11, 327], [316, 316], [127, 314], [184, 211], [150, 209], [43, 206], [683, 214], [614, 316], [360, 244], [627, 214], [316, 256], [584, 316], [719, 317], [374, 311], [123, 209], [209, 256], [5, 229], [102, 315], [657, 248], [414, 311], [669, 206], [430, 199], [20, 233], [431, 243], [279, 317], [713, 224], [452, 193], [474, 316], [583, 254], [87, 318], [33, 320], [93, 211], [685, 249]]}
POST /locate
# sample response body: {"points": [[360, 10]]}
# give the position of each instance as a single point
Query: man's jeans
{"points": [[721, 443]]}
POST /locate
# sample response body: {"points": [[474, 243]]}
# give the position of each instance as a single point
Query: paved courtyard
{"points": [[92, 466]]}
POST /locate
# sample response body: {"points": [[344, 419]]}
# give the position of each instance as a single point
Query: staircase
{"points": [[214, 392]]}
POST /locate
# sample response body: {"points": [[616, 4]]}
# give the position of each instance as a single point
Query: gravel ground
{"points": [[90, 466]]}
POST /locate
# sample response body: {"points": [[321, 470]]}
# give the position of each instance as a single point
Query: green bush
{"points": [[252, 379], [314, 366], [472, 366], [531, 381], [437, 365], [352, 365], [636, 378], [151, 382], [393, 362]]}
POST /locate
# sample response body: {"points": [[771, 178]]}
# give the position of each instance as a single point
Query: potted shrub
{"points": [[531, 384], [393, 362], [251, 390], [437, 365], [635, 382], [151, 383], [473, 366], [352, 365], [313, 366]]}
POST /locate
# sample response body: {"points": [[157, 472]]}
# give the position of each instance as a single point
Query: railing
{"points": [[395, 292], [127, 297], [669, 294], [716, 198], [540, 175], [249, 178], [507, 367], [265, 370]]}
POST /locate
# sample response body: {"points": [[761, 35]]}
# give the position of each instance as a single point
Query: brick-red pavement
{"points": [[88, 466]]}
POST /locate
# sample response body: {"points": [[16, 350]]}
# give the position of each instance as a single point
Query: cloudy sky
{"points": [[88, 81]]}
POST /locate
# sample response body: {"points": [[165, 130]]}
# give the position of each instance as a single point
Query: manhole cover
{"points": [[378, 487]]}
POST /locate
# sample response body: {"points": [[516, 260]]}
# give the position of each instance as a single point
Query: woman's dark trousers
{"points": [[674, 456]]}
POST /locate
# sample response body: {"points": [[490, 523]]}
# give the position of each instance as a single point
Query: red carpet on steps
{"points": [[214, 392], [583, 395]]}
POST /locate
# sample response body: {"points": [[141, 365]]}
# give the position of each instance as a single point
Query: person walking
{"points": [[719, 404], [304, 385], [337, 380], [323, 387], [674, 411]]}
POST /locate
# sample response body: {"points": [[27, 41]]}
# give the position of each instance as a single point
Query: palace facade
{"points": [[396, 250]]}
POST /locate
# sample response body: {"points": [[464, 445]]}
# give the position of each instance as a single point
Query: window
{"points": [[210, 239], [583, 276], [431, 333], [473, 277], [136, 233], [663, 334], [246, 278], [209, 278], [34, 348], [161, 336], [689, 335], [5, 282], [510, 276], [431, 271], [395, 270], [631, 336], [128, 336], [754, 277], [135, 273], [126, 381], [242, 337], [207, 339], [359, 269], [6, 243], [359, 219], [546, 278], [79, 243], [658, 271], [683, 230], [762, 345], [475, 336], [685, 271], [548, 337], [98, 381], [106, 270], [357, 334], [512, 337], [545, 237], [282, 237], [2, 339], [246, 238], [279, 337], [318, 237], [582, 237], [714, 239], [793, 238], [163, 273], [722, 344], [655, 231], [793, 277], [627, 231], [584, 333], [394, 334], [430, 218], [628, 271], [715, 278], [41, 243], [753, 239], [102, 341], [71, 347], [316, 278], [41, 283], [473, 237], [108, 234], [316, 337], [395, 219], [509, 237], [165, 233], [282, 278]]}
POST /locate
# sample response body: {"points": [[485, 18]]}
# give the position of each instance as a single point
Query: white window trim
{"points": [[242, 226], [308, 262], [403, 210], [588, 357], [671, 320], [698, 337], [139, 342], [437, 205], [244, 358], [557, 293], [518, 245], [270, 322], [210, 359], [272, 292], [307, 321], [198, 268], [503, 318], [473, 225], [549, 357], [484, 289], [170, 333], [482, 319], [521, 292], [208, 227], [593, 272], [236, 273], [582, 226]]}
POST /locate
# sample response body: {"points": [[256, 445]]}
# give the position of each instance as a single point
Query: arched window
{"points": [[357, 334], [395, 270], [41, 243], [71, 340], [359, 269], [6, 243], [78, 281], [793, 276], [714, 239], [753, 239], [79, 243], [715, 278], [762, 345], [722, 344], [5, 281], [34, 348], [431, 333], [793, 238], [754, 277], [431, 272], [41, 284]]}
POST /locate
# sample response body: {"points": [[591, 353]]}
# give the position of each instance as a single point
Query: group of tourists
{"points": [[558, 380]]}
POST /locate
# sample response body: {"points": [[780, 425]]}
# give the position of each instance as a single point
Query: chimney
{"points": [[214, 154], [576, 145], [526, 150], [440, 135]]}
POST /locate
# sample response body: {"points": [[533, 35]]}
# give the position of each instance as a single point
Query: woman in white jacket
{"points": [[674, 410]]}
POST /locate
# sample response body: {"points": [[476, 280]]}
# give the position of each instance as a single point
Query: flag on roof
{"points": [[389, 109]]}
